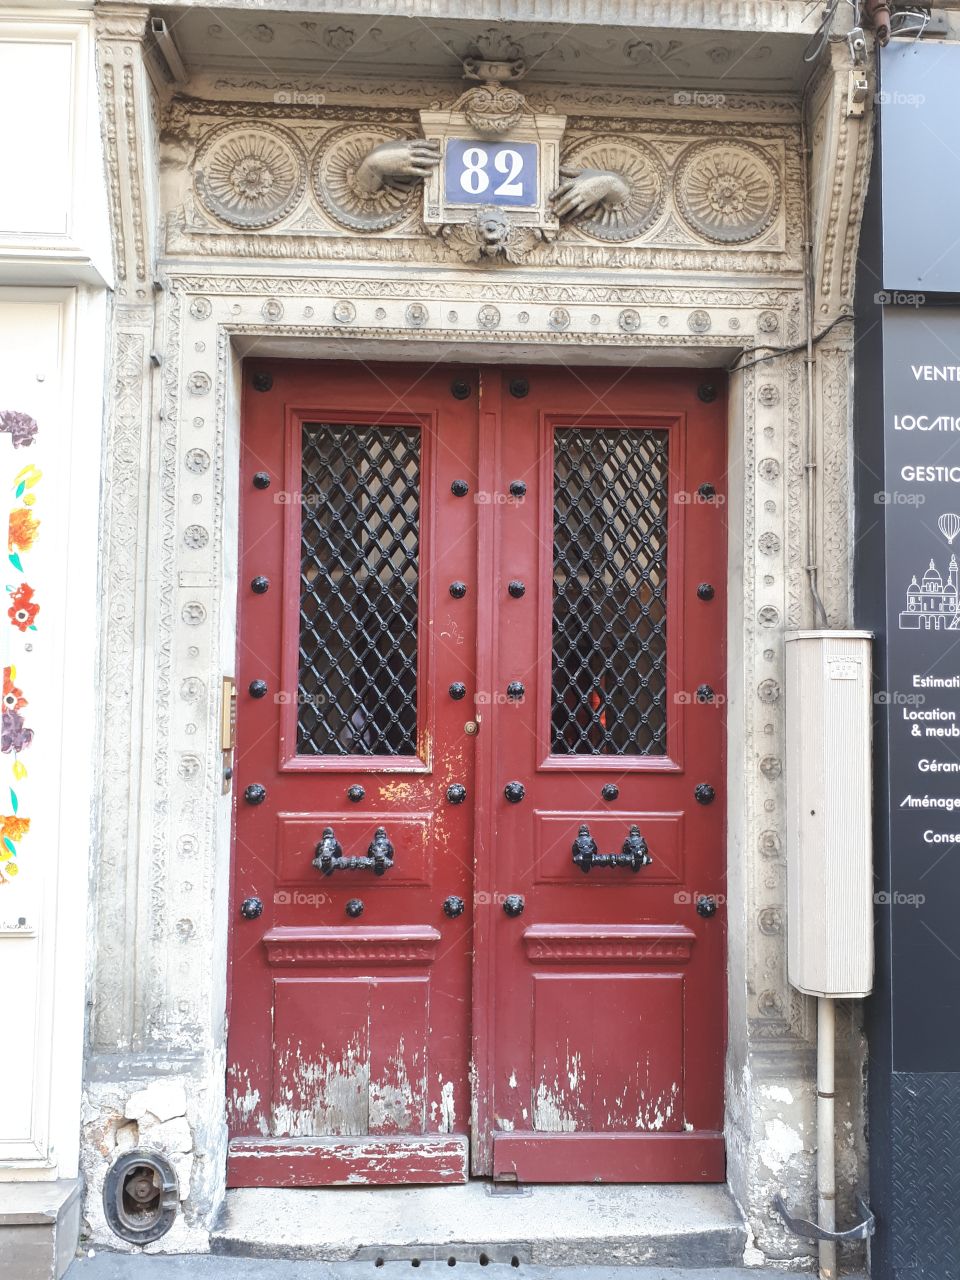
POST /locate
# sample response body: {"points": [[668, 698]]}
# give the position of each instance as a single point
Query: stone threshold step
{"points": [[569, 1225], [113, 1266]]}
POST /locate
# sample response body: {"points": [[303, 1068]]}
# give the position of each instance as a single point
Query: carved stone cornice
{"points": [[302, 96], [121, 21], [786, 16], [841, 147]]}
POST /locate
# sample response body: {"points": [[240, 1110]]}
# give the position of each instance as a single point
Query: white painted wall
{"points": [[51, 361], [54, 255], [53, 216]]}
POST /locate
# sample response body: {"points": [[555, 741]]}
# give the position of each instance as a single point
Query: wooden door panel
{"points": [[553, 854], [350, 992], [412, 835], [623, 1157], [365, 1076], [608, 1063], [580, 1025], [358, 1073]]}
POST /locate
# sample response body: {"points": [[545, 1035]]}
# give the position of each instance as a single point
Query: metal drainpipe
{"points": [[826, 1155], [826, 1011]]}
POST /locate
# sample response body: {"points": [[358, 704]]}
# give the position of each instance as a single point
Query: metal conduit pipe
{"points": [[826, 1153], [826, 1020]]}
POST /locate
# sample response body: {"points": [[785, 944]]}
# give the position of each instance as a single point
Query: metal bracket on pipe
{"points": [[810, 1231]]}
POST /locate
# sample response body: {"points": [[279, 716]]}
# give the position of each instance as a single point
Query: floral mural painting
{"points": [[23, 529], [21, 428]]}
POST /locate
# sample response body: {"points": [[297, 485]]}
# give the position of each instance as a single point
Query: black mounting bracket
{"points": [[810, 1231]]}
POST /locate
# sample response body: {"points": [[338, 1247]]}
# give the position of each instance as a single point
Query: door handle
{"points": [[633, 855], [329, 858]]}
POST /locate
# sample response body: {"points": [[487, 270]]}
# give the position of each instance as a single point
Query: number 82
{"points": [[475, 179]]}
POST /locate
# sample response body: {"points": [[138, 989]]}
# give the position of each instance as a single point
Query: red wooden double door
{"points": [[478, 909]]}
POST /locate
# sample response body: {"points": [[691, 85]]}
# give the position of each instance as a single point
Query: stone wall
{"points": [[204, 279]]}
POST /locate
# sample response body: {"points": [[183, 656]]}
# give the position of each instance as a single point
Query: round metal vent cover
{"points": [[141, 1196]]}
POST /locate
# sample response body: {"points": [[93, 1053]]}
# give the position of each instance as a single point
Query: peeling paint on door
{"points": [[549, 1112], [448, 1115]]}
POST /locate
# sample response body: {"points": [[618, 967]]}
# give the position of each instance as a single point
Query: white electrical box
{"points": [[828, 774]]}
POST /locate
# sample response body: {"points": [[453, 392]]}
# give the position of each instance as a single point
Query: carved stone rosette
{"points": [[728, 192], [640, 169], [334, 181], [250, 175]]}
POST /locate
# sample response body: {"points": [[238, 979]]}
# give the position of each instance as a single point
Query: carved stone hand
{"points": [[584, 189], [399, 163]]}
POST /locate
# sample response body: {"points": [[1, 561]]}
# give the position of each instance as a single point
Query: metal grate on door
{"points": [[609, 686], [359, 577]]}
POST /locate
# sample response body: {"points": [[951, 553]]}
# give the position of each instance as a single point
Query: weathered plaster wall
{"points": [[195, 292]]}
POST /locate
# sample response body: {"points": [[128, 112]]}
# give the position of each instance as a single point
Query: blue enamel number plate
{"points": [[497, 173]]}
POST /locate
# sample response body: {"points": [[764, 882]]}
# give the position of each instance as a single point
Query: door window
{"points": [[359, 580], [610, 509]]}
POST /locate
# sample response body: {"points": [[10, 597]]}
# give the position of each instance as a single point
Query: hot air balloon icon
{"points": [[949, 526]]}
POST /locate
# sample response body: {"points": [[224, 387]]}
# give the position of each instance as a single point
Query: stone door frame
{"points": [[175, 994]]}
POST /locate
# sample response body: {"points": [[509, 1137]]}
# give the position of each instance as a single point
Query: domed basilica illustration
{"points": [[932, 604]]}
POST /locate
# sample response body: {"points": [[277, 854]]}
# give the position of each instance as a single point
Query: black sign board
{"points": [[919, 502]]}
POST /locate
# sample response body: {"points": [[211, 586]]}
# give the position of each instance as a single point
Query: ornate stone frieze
{"points": [[300, 98], [633, 193]]}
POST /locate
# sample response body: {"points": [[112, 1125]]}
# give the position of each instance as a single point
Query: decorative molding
{"points": [[728, 192], [841, 148], [325, 947], [490, 234], [835, 531], [125, 111], [495, 288], [641, 944], [111, 1019], [311, 99], [250, 176]]}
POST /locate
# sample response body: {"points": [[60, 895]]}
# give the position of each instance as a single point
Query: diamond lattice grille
{"points": [[610, 591], [359, 573]]}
